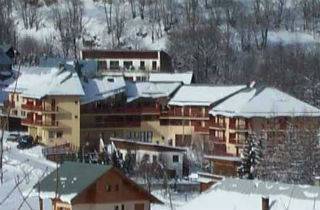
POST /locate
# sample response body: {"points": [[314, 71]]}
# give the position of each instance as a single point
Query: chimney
{"points": [[265, 203]]}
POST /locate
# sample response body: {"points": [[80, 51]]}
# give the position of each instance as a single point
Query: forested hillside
{"points": [[274, 42]]}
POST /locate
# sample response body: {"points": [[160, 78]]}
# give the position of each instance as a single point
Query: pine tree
{"points": [[251, 156], [116, 162], [129, 163]]}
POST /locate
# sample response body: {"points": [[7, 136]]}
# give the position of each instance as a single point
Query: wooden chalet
{"points": [[80, 186]]}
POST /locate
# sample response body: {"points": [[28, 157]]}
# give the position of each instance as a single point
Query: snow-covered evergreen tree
{"points": [[250, 157]]}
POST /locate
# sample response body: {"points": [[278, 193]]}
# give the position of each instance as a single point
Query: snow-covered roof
{"points": [[74, 177], [136, 90], [263, 102], [37, 82], [101, 88], [185, 77], [202, 95], [247, 195]]}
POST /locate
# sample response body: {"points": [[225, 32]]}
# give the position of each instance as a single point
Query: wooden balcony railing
{"points": [[122, 110], [218, 140], [201, 129], [31, 122], [39, 108], [220, 125], [9, 104]]}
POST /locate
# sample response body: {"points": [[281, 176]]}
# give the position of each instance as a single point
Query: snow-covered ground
{"points": [[94, 21], [25, 166]]}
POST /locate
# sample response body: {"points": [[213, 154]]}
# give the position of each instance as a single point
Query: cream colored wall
{"points": [[18, 100], [66, 118], [110, 206]]}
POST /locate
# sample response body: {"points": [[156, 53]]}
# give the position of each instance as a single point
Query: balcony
{"points": [[218, 125], [39, 108], [39, 123], [237, 142], [122, 111], [218, 140], [9, 104], [239, 128], [200, 129]]}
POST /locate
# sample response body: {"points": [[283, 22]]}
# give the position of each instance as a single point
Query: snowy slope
{"points": [[95, 25], [26, 166]]}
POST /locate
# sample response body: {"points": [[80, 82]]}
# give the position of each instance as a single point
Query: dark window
{"points": [[114, 64], [110, 79], [154, 65], [76, 116], [139, 206], [76, 102], [127, 64], [146, 157], [116, 207], [59, 134], [142, 65], [116, 187], [108, 188], [175, 158], [102, 65], [122, 207]]}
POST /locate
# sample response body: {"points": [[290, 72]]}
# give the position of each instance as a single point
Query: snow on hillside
{"points": [[95, 25], [286, 37]]}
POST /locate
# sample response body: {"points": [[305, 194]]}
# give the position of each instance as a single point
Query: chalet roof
{"points": [[202, 95], [247, 195], [137, 90], [73, 178], [263, 102], [37, 82], [130, 144], [101, 88], [184, 77]]}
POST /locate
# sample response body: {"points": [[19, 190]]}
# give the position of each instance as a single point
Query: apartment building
{"points": [[134, 65], [255, 110], [48, 101], [187, 116], [132, 114]]}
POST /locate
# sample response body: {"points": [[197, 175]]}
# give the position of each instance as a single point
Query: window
{"points": [[122, 207], [154, 65], [142, 65], [23, 113], [175, 158], [127, 64], [102, 65], [116, 187], [76, 116], [116, 207], [59, 134], [139, 206], [110, 79], [75, 102], [51, 134], [17, 97], [114, 65], [108, 188]]}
